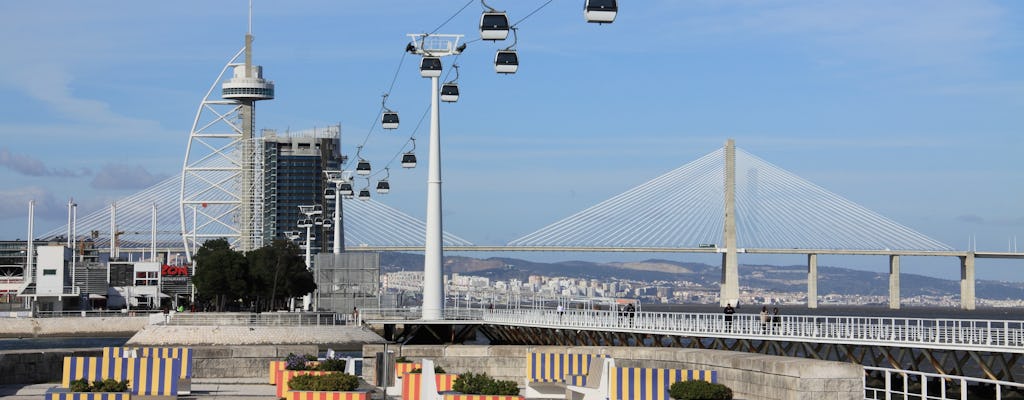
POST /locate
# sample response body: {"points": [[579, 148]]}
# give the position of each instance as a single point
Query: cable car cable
{"points": [[530, 14], [451, 17]]}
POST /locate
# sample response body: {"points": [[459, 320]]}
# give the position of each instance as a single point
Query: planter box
{"points": [[310, 395], [480, 397], [88, 396], [279, 366], [411, 384], [283, 376]]}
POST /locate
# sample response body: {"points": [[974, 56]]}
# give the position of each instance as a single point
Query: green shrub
{"points": [[309, 357], [437, 370], [471, 383], [106, 385], [331, 365], [699, 390], [325, 383]]}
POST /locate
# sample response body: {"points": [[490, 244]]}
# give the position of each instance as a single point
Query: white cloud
{"points": [[121, 176]]}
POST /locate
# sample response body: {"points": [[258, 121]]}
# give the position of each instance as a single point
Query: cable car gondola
{"points": [[493, 25], [363, 167], [364, 194], [383, 186], [409, 160], [506, 62], [430, 67], [330, 193], [345, 189], [304, 223], [389, 120], [600, 11], [450, 90]]}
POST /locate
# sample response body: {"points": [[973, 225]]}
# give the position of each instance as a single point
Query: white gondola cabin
{"points": [[506, 62], [600, 11], [430, 67], [330, 193], [383, 186], [494, 25], [364, 194], [450, 92], [363, 167], [389, 120], [345, 189], [409, 160]]}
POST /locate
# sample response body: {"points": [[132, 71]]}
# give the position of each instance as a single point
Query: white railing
{"points": [[904, 384], [252, 319], [987, 335]]}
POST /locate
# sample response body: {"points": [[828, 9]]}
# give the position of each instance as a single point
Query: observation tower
{"points": [[221, 180]]}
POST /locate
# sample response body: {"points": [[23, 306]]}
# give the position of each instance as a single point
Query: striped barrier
{"points": [[145, 376], [411, 384], [182, 353], [87, 396], [310, 395], [559, 367], [651, 383], [285, 375], [402, 368]]}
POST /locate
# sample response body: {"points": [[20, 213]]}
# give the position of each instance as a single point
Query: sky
{"points": [[913, 109]]}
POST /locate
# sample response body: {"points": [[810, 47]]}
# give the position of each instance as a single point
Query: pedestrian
{"points": [[355, 315], [630, 310], [776, 321], [561, 310], [729, 311], [764, 319]]}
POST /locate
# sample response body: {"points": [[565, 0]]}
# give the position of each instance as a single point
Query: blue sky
{"points": [[913, 109]]}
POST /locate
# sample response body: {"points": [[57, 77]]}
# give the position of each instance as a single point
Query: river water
{"points": [[60, 343]]}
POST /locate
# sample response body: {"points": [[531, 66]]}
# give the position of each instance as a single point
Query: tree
{"points": [[277, 272], [221, 273]]}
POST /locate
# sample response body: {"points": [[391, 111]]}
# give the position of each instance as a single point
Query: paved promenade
{"points": [[221, 389]]}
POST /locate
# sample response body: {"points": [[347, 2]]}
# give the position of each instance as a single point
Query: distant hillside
{"points": [[791, 278]]}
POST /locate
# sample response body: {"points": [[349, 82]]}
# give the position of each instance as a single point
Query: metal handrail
{"points": [[897, 384]]}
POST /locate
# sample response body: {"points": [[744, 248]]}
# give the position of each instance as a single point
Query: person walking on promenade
{"points": [[729, 311], [776, 321], [764, 319]]}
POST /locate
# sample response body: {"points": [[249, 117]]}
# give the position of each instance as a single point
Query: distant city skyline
{"points": [[911, 109]]}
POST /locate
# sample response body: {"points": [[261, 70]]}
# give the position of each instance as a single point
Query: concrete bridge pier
{"points": [[967, 281], [894, 282], [812, 281]]}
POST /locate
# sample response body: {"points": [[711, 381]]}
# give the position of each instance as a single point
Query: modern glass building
{"points": [[293, 176]]}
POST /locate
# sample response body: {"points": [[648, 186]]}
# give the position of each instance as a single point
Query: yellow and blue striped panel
{"points": [[145, 376], [87, 396], [182, 353], [554, 367], [651, 383]]}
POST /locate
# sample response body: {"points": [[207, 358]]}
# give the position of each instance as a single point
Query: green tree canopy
{"points": [[264, 277]]}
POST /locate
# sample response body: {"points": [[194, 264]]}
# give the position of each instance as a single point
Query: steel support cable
{"points": [[652, 229], [452, 17], [530, 14], [585, 219]]}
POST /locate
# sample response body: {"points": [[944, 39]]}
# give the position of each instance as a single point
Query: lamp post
{"points": [[309, 211], [432, 47]]}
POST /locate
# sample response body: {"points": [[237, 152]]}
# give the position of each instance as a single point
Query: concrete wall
{"points": [[34, 366], [241, 361], [71, 327], [750, 376]]}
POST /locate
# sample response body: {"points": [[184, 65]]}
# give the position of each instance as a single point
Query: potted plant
{"points": [[699, 390], [412, 381], [472, 386], [292, 363], [333, 385], [107, 389]]}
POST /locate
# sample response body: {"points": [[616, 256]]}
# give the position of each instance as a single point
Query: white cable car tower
{"points": [[433, 47], [221, 180]]}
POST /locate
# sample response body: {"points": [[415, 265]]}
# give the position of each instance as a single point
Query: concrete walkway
{"points": [[221, 389]]}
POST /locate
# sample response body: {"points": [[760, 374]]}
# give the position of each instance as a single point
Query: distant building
{"points": [[293, 176]]}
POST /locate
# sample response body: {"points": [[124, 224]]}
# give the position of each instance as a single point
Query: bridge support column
{"points": [[812, 281], [730, 283], [967, 281], [894, 282]]}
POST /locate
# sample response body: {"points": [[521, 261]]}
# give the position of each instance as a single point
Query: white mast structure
{"points": [[219, 180], [434, 46]]}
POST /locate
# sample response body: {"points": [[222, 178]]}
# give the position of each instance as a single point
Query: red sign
{"points": [[173, 270]]}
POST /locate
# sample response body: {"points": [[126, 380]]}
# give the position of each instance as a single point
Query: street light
{"points": [[433, 46]]}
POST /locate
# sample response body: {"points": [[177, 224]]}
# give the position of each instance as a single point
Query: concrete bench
{"points": [[181, 353], [157, 377], [548, 374]]}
